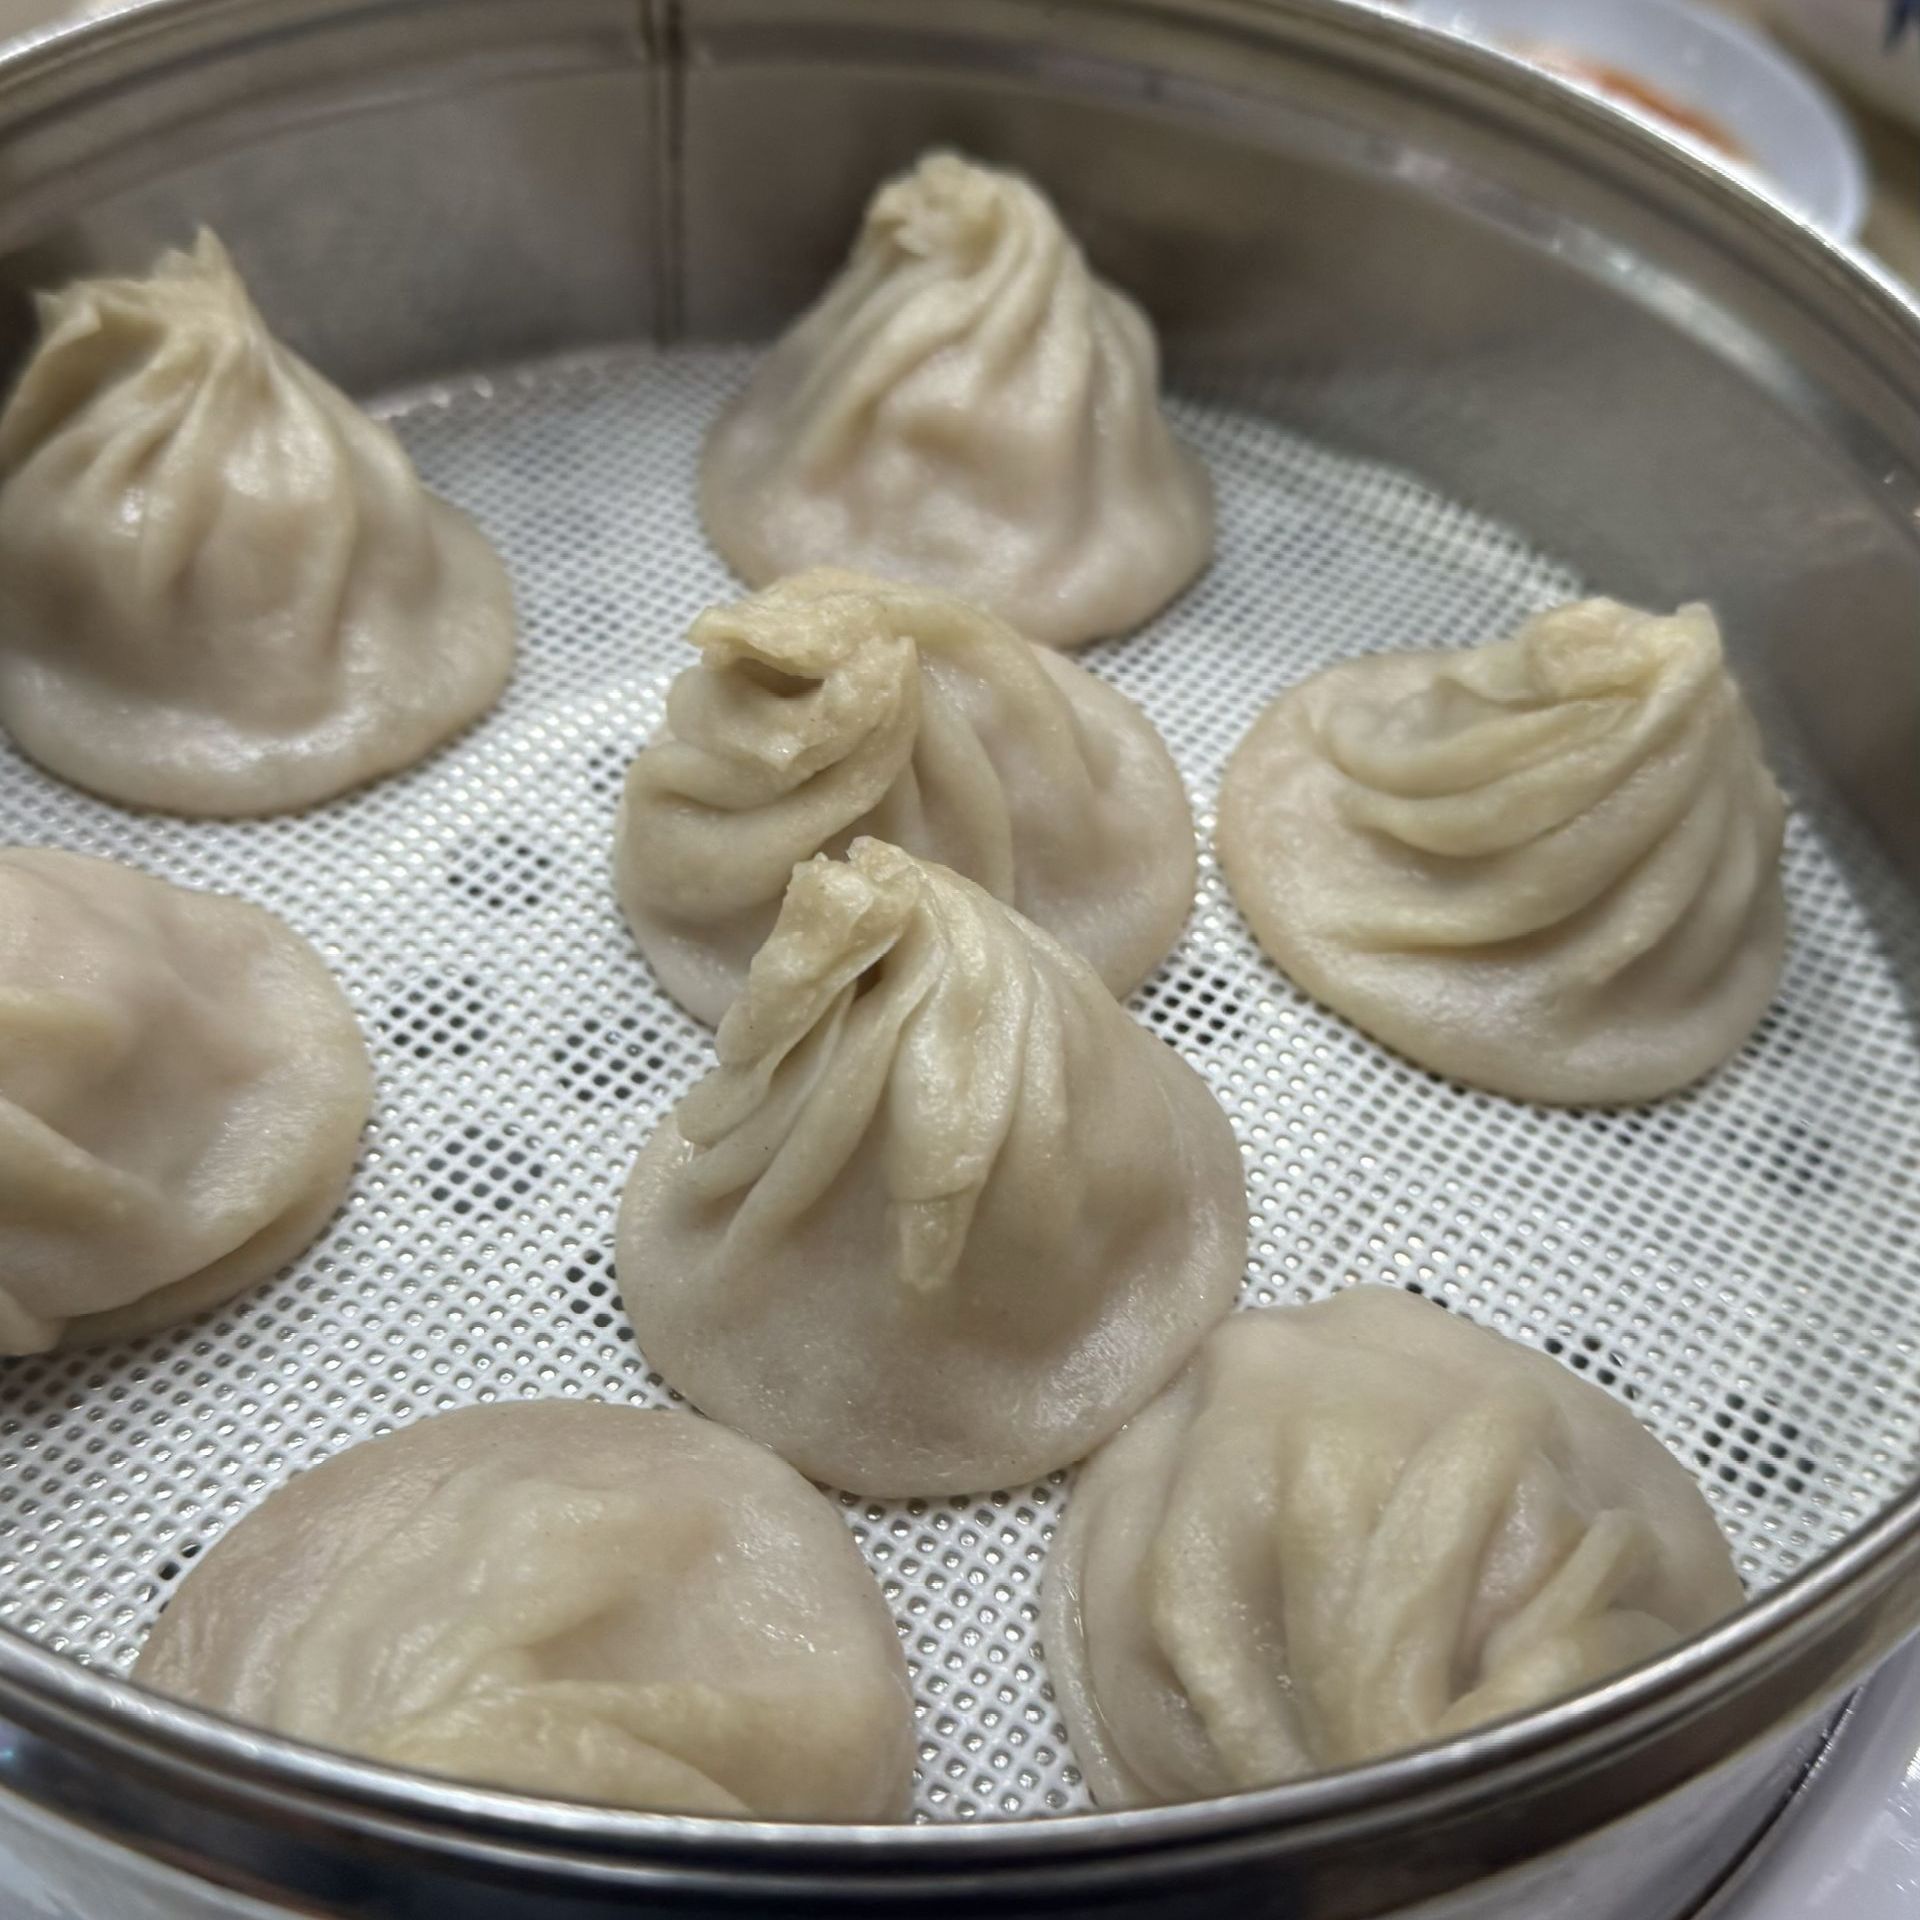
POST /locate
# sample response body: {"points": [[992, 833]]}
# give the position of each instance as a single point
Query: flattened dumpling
{"points": [[182, 1090], [1355, 1527], [567, 1598]]}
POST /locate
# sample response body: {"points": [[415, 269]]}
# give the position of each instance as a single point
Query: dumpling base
{"points": [[192, 760]]}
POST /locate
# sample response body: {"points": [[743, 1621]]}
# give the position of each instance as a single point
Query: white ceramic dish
{"points": [[1798, 143]]}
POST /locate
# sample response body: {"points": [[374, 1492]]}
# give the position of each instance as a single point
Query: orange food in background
{"points": [[1635, 92]]}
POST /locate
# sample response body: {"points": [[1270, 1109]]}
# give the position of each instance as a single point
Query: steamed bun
{"points": [[1548, 866], [1355, 1527], [944, 1214], [223, 589], [182, 1089], [832, 705], [966, 406], [567, 1598]]}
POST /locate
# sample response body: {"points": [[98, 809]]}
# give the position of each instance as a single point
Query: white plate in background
{"points": [[1794, 138]]}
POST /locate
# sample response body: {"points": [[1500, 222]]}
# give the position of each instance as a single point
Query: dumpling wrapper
{"points": [[182, 1091], [1356, 1527], [944, 1214], [833, 705], [966, 406], [1548, 866], [223, 588], [566, 1598]]}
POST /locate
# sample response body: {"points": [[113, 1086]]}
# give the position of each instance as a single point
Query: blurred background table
{"points": [[1893, 227]]}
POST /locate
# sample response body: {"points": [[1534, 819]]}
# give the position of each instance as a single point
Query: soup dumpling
{"points": [[1548, 866], [224, 588], [567, 1598], [182, 1090], [832, 705], [944, 1214], [1355, 1527], [969, 407]]}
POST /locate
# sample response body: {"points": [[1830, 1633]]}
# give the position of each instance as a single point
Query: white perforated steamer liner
{"points": [[1733, 1262]]}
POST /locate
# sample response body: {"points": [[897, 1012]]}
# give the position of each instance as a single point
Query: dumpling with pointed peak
{"points": [[224, 589], [1355, 1527], [833, 705], [966, 406], [1548, 866], [944, 1214]]}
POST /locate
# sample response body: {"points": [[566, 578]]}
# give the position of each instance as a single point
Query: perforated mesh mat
{"points": [[1737, 1263]]}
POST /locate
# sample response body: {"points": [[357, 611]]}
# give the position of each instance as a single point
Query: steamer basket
{"points": [[1453, 340]]}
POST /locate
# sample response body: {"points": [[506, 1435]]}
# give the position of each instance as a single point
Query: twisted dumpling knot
{"points": [[1593, 648], [956, 1006], [794, 684], [191, 318], [809, 627], [947, 206]]}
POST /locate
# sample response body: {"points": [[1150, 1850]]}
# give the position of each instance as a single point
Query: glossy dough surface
{"points": [[568, 1598], [1351, 1528], [968, 407], [944, 1214], [1548, 866], [833, 705], [225, 590], [182, 1089]]}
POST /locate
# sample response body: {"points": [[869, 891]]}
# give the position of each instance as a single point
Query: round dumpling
{"points": [[566, 1598], [966, 406], [225, 590], [944, 1214], [182, 1089], [833, 705], [1548, 866], [1356, 1527]]}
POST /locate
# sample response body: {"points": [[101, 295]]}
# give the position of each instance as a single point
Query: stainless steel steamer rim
{"points": [[1771, 1667]]}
